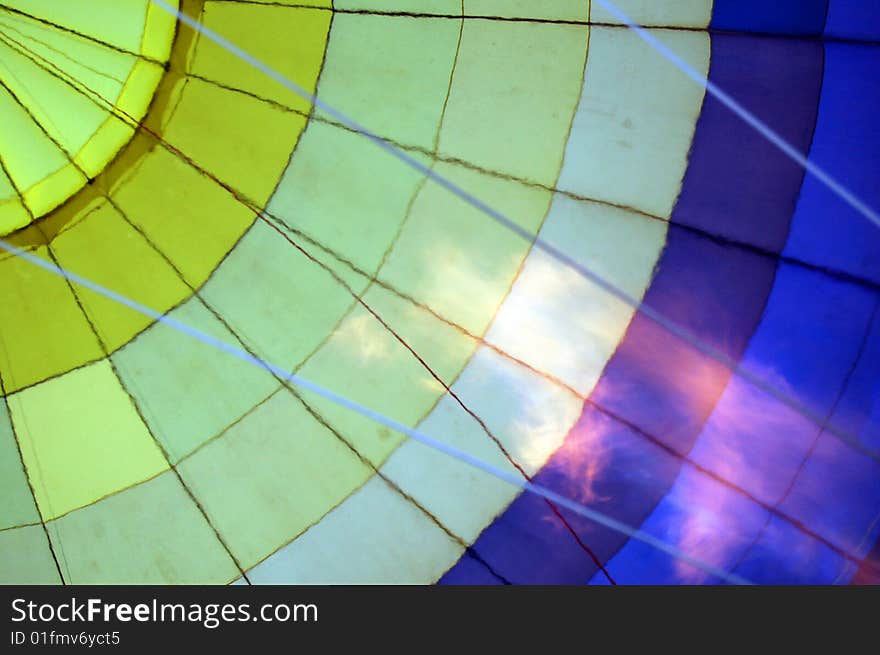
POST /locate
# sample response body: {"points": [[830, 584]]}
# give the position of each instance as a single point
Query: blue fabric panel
{"points": [[838, 495], [806, 561], [469, 570], [858, 411], [739, 185], [826, 231], [701, 517], [808, 344], [801, 17], [818, 332], [853, 19]]}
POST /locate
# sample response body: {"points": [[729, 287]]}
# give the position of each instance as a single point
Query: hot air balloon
{"points": [[636, 311]]}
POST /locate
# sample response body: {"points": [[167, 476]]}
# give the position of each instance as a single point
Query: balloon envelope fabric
{"points": [[147, 158]]}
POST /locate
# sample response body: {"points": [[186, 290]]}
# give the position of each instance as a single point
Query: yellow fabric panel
{"points": [[48, 69], [13, 215], [304, 469], [69, 117], [678, 13], [188, 216], [434, 7], [159, 29], [138, 89], [265, 33], [314, 4], [118, 22], [395, 87], [42, 330], [54, 189], [107, 250], [429, 263], [523, 129], [377, 536], [114, 133], [81, 439], [364, 362], [7, 191], [573, 10], [246, 145], [30, 157], [102, 146], [100, 68]]}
